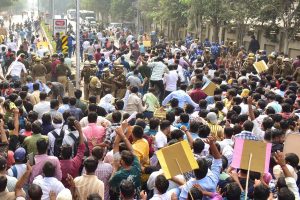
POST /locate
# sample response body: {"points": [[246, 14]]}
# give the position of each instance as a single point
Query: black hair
{"points": [[261, 192], [36, 86], [184, 118], [42, 146], [35, 192], [292, 159], [170, 116], [49, 169], [138, 132], [198, 146], [127, 189], [72, 101], [177, 134], [154, 123], [92, 117], [164, 124], [233, 191], [116, 116], [54, 103], [90, 164], [204, 131], [161, 184], [78, 94], [248, 125], [3, 183], [127, 157], [202, 170]]}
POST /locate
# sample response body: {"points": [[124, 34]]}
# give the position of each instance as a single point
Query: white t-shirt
{"points": [[171, 80], [16, 68], [161, 140], [41, 108], [21, 169], [48, 184]]}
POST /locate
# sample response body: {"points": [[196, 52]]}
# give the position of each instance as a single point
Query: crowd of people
{"points": [[101, 143]]}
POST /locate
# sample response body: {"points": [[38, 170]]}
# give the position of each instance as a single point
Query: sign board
{"points": [[260, 66], [209, 88], [261, 154], [291, 144], [60, 26], [177, 163]]}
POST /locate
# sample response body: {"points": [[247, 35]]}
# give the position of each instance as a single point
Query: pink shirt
{"points": [[94, 134], [40, 160]]}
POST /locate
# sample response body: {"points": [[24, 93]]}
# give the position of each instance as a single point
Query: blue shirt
{"points": [[182, 97], [63, 108], [208, 183]]}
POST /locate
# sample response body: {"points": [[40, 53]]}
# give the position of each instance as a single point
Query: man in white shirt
{"points": [[170, 80], [12, 45], [48, 183], [43, 106], [158, 70], [161, 139], [16, 68]]}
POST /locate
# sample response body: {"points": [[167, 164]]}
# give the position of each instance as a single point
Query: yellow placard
{"points": [[291, 144], [147, 43], [43, 44], [176, 159], [209, 88], [260, 66]]}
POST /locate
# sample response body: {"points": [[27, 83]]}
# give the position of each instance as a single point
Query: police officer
{"points": [[106, 82], [119, 81], [248, 64], [93, 68], [39, 71], [46, 61], [85, 75], [287, 70], [272, 65], [95, 87]]}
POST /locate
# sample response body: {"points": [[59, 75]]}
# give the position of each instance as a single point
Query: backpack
{"points": [[76, 144], [58, 142], [15, 171]]}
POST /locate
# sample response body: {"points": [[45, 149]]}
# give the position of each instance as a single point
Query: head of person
{"points": [[127, 189], [94, 196], [42, 146], [35, 192], [137, 132], [174, 103], [78, 94], [261, 192], [204, 131], [98, 152], [161, 184], [54, 104], [232, 191], [134, 89], [36, 127], [43, 96], [36, 86], [92, 117], [49, 169], [248, 125], [127, 158], [90, 165], [20, 155], [165, 126]]}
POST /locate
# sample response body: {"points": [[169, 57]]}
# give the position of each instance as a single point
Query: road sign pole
{"points": [[77, 45]]}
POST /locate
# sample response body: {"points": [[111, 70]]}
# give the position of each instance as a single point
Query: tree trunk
{"points": [[286, 42], [215, 35]]}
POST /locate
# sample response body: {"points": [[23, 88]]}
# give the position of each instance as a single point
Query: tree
{"points": [[286, 14], [99, 6], [195, 15], [123, 10]]}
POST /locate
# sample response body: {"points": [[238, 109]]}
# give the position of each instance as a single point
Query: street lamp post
{"points": [[77, 44]]}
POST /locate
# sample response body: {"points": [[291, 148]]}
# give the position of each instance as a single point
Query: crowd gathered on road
{"points": [[101, 142]]}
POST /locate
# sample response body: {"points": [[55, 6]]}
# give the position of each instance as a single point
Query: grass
{"points": [[49, 34]]}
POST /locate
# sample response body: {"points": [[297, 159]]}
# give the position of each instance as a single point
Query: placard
{"points": [[261, 153], [291, 144], [176, 159], [209, 88], [260, 66]]}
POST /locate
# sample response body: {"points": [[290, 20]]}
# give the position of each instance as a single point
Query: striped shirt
{"points": [[89, 184]]}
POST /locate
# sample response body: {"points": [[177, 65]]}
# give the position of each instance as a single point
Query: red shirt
{"points": [[197, 95], [97, 57], [72, 166]]}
